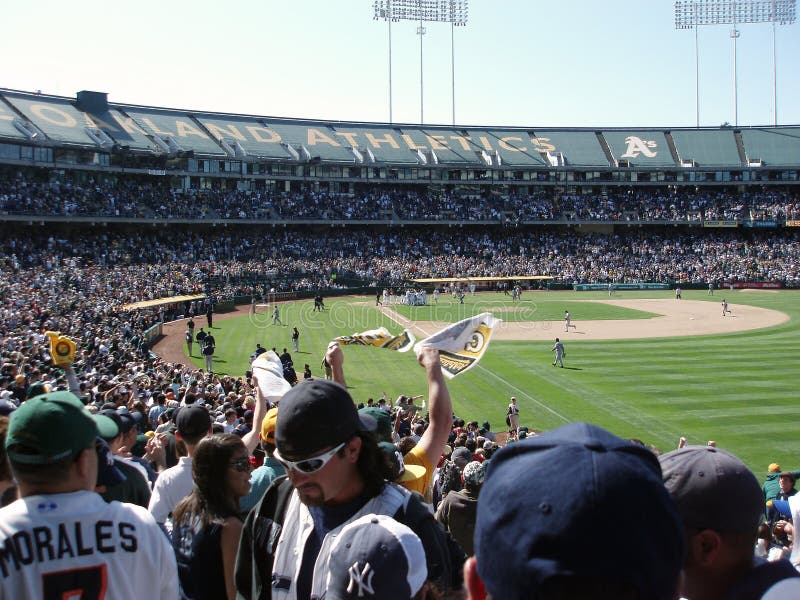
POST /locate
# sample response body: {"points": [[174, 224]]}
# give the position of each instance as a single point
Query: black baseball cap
{"points": [[317, 414], [192, 420]]}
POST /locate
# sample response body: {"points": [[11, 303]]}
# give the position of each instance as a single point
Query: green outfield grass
{"points": [[738, 389]]}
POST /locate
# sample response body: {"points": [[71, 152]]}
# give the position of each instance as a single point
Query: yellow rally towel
{"points": [[462, 344], [381, 338], [62, 349]]}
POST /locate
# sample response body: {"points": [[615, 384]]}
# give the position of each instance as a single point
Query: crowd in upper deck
{"points": [[120, 196]]}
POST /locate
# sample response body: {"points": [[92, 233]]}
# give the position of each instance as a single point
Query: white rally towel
{"points": [[462, 344], [268, 368], [381, 338]]}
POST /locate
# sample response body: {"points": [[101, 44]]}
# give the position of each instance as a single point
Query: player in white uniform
{"points": [[558, 348], [568, 321], [725, 308], [60, 539]]}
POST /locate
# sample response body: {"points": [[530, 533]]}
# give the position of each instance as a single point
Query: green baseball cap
{"points": [[385, 428], [49, 428]]}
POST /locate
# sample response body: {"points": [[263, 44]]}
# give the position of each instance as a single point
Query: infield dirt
{"points": [[676, 318]]}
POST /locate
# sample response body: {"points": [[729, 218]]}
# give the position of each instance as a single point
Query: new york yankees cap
{"points": [[400, 472], [376, 557]]}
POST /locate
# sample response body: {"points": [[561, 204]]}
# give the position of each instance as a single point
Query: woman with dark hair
{"points": [[206, 523]]}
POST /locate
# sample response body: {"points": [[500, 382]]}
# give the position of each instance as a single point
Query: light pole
{"points": [[454, 12], [690, 15], [421, 33]]}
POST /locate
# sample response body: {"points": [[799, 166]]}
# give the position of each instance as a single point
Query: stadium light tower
{"points": [[454, 12], [690, 15]]}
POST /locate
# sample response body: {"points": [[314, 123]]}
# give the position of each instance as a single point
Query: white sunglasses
{"points": [[308, 465]]}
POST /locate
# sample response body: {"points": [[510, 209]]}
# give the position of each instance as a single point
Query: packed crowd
{"points": [[122, 196], [308, 495], [76, 284], [132, 265], [182, 443]]}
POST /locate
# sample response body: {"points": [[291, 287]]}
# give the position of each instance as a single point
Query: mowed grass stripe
{"points": [[743, 416]]}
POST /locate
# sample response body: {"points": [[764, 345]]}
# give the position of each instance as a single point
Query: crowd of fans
{"points": [[447, 487], [131, 264], [117, 196], [76, 281]]}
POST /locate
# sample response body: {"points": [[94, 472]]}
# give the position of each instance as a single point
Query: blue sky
{"points": [[573, 63]]}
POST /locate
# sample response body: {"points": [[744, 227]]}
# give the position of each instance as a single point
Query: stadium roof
{"points": [[90, 121]]}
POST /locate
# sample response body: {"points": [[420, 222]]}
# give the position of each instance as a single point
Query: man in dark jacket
{"points": [[458, 510]]}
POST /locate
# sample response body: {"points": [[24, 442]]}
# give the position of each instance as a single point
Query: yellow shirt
{"points": [[418, 456]]}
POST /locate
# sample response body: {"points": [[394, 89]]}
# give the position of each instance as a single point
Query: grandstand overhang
{"points": [[518, 156]]}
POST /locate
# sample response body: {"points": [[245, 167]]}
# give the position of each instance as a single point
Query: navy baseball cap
{"points": [[592, 506]]}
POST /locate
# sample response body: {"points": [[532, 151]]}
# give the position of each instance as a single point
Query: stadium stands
{"points": [[576, 204]]}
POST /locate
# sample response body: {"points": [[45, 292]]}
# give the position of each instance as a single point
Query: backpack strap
{"points": [[444, 556], [260, 534]]}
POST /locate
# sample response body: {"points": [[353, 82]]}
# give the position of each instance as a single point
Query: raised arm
{"points": [[335, 358], [251, 438], [440, 410]]}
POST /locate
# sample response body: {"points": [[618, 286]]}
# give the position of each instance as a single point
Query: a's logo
{"points": [[637, 145], [362, 579]]}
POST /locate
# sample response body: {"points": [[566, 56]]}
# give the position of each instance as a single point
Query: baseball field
{"points": [[641, 364]]}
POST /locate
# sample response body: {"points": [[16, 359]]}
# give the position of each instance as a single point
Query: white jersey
{"points": [[172, 486], [77, 545]]}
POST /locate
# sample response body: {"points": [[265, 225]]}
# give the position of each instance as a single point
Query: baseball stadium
{"points": [[118, 220], [430, 301]]}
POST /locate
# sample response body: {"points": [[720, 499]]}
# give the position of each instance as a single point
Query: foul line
{"points": [[525, 394], [403, 321]]}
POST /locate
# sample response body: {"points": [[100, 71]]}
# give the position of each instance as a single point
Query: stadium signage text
{"points": [[761, 224], [720, 223], [588, 287], [182, 128], [767, 285], [793, 223]]}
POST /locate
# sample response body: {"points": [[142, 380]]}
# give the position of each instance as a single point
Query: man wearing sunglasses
{"points": [[336, 473]]}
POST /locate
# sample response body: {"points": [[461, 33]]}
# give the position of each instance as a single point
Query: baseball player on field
{"points": [[725, 308], [561, 354], [568, 321], [61, 539]]}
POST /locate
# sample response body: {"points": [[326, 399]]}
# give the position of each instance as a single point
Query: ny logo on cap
{"points": [[362, 579]]}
